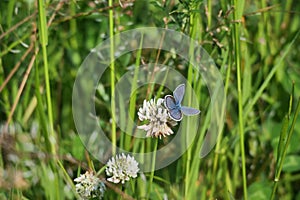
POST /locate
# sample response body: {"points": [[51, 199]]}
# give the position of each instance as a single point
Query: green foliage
{"points": [[260, 190], [254, 45]]}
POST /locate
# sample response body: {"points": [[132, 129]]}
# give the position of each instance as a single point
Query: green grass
{"points": [[254, 45]]}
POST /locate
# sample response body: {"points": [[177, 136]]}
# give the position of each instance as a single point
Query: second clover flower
{"points": [[121, 168]]}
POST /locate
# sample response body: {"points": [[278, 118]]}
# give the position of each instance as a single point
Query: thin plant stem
{"points": [[217, 151], [67, 178], [152, 167], [43, 36], [194, 22], [17, 25], [289, 136], [84, 14], [44, 41], [10, 8], [112, 79], [208, 14], [236, 34], [189, 150]]}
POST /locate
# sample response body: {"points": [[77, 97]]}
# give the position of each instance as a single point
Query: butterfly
{"points": [[173, 104]]}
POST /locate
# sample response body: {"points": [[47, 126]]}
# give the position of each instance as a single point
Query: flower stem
{"points": [[152, 167]]}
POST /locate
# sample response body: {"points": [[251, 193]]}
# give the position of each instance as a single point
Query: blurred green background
{"points": [[255, 45]]}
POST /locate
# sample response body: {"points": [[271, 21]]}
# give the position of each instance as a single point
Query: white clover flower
{"points": [[158, 119], [121, 168], [89, 186]]}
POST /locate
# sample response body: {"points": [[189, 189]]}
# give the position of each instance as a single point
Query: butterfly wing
{"points": [[189, 111], [170, 102], [174, 110], [175, 114], [179, 93]]}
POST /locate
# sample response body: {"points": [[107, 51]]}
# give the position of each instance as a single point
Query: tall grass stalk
{"points": [[282, 153], [194, 34], [43, 34], [186, 128], [237, 14], [55, 191], [218, 144], [41, 115], [189, 152], [112, 79]]}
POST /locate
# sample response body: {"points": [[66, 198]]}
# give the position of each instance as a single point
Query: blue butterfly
{"points": [[173, 104]]}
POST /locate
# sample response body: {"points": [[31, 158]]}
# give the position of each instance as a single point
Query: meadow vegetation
{"points": [[255, 46]]}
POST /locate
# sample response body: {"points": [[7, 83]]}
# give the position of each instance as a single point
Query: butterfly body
{"points": [[173, 104]]}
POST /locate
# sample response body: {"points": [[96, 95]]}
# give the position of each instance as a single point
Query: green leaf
{"points": [[259, 190], [77, 148], [291, 164], [157, 192]]}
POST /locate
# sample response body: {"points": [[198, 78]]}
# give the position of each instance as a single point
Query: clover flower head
{"points": [[89, 186], [158, 118], [121, 168]]}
